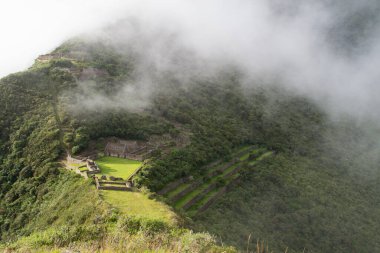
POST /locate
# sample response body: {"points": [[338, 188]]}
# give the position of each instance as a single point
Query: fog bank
{"points": [[326, 50]]}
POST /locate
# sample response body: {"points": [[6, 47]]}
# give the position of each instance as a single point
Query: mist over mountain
{"points": [[325, 50], [190, 126]]}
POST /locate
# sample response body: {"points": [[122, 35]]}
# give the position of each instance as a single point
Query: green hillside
{"points": [[253, 162], [195, 194]]}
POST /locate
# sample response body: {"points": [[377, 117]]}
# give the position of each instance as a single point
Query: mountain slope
{"points": [[318, 191]]}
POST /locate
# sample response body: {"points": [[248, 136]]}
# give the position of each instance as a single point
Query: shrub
{"points": [[220, 182], [134, 225]]}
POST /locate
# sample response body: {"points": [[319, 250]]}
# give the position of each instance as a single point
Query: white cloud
{"points": [[29, 28], [287, 39]]}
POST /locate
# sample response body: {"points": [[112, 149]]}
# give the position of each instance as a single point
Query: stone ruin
{"points": [[48, 57], [114, 185], [73, 55], [102, 183], [141, 150], [92, 167], [127, 149], [81, 74]]}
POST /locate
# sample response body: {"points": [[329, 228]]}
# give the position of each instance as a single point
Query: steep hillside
{"points": [[253, 160], [296, 203], [42, 206], [73, 215]]}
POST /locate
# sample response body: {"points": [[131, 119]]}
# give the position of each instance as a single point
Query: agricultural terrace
{"points": [[117, 167], [139, 205], [197, 195], [131, 203]]}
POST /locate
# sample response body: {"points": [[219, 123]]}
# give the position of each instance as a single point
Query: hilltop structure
{"points": [[128, 149], [49, 57]]}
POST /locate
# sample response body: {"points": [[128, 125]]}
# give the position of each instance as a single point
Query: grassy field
{"points": [[139, 205], [117, 167]]}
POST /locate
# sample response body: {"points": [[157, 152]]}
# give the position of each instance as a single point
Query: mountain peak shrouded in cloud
{"points": [[31, 28], [326, 50], [253, 120]]}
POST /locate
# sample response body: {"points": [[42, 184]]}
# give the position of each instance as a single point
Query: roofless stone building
{"points": [[127, 149]]}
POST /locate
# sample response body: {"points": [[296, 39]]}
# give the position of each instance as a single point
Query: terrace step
{"points": [[113, 188], [222, 169], [173, 185], [189, 189], [218, 194], [245, 151], [199, 182], [199, 196], [212, 174], [232, 174], [211, 187], [112, 182], [103, 185]]}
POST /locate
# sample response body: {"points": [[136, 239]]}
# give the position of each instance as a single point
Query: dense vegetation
{"points": [[38, 127], [72, 215], [297, 203], [319, 192], [30, 143]]}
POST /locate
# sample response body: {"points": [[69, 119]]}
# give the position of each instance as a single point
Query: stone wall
{"points": [[115, 149], [126, 149], [219, 194], [221, 170], [112, 182], [199, 196], [135, 150], [134, 157], [186, 191], [134, 173], [213, 199], [48, 57], [172, 186], [71, 159], [113, 188], [233, 172], [110, 185]]}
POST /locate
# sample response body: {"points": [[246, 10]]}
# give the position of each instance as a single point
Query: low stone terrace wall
{"points": [[190, 188], [199, 196], [173, 185]]}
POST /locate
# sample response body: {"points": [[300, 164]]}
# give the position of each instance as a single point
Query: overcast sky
{"points": [[325, 49], [33, 27]]}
